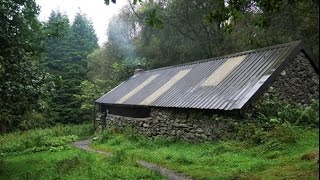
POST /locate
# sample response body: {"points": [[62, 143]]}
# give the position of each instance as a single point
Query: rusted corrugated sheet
{"points": [[224, 83]]}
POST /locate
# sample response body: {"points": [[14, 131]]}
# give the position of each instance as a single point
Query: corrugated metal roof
{"points": [[223, 83]]}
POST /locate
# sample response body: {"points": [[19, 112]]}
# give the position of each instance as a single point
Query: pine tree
{"points": [[67, 60]]}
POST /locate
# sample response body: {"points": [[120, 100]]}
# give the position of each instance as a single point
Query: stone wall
{"points": [[190, 125], [298, 83]]}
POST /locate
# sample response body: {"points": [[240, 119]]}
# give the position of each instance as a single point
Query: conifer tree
{"points": [[67, 60]]}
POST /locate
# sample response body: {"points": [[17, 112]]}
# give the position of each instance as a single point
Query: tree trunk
{"points": [[3, 127]]}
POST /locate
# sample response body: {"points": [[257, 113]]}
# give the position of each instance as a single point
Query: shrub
{"points": [[131, 134], [103, 136], [33, 120], [270, 109]]}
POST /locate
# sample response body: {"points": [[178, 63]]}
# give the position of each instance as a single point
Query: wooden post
{"points": [[94, 116]]}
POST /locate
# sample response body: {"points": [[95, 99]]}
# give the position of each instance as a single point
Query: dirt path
{"points": [[85, 145]]}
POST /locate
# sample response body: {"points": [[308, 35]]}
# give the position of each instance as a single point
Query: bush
{"points": [[131, 134], [103, 136], [271, 109]]}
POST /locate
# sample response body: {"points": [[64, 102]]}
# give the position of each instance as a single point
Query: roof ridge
{"points": [[293, 43]]}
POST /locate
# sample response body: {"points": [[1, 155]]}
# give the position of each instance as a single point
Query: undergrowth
{"points": [[49, 139], [273, 110]]}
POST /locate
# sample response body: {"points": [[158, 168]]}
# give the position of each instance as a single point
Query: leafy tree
{"points": [[93, 89], [278, 22], [184, 37], [263, 22], [22, 82], [97, 64]]}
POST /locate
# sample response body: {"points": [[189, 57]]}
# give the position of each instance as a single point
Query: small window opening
{"points": [[127, 111]]}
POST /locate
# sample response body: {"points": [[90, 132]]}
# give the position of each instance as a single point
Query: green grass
{"points": [[53, 139], [70, 164], [283, 153], [47, 154]]}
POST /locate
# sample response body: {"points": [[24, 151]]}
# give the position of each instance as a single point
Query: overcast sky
{"points": [[99, 13]]}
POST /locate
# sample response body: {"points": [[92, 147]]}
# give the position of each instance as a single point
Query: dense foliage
{"points": [[22, 82], [194, 30], [42, 66]]}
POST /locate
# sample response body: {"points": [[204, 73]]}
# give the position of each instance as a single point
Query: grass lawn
{"points": [[290, 153], [70, 164], [283, 153], [47, 154]]}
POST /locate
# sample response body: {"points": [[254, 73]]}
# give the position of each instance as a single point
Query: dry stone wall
{"points": [[189, 125], [298, 83]]}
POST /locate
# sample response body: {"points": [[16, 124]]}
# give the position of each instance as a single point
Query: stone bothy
{"points": [[180, 101]]}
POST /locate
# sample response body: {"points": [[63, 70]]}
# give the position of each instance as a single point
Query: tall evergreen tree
{"points": [[67, 60], [83, 38], [57, 51]]}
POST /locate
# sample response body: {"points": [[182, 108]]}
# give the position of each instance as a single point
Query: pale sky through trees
{"points": [[99, 13]]}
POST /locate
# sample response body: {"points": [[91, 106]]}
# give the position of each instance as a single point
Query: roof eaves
{"points": [[238, 111]]}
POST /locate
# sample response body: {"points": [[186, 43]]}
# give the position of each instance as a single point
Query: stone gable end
{"points": [[298, 83]]}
